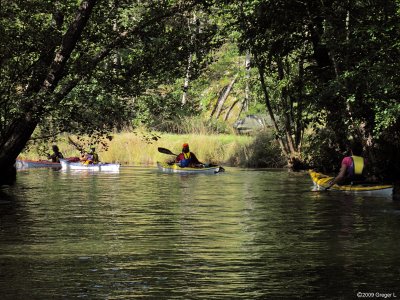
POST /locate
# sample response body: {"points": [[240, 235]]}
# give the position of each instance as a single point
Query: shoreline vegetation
{"points": [[136, 149]]}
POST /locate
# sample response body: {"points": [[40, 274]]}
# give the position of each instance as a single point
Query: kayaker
{"points": [[90, 158], [187, 158], [56, 155], [351, 168], [95, 156]]}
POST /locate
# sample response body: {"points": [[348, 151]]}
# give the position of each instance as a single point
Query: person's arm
{"points": [[178, 158], [339, 177]]}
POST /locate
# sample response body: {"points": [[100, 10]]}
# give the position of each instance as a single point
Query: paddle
{"points": [[78, 147], [166, 151]]}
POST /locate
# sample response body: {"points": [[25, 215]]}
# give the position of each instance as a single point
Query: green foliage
{"points": [[263, 152], [68, 75], [227, 63], [329, 63], [161, 108], [383, 154], [321, 150], [387, 115], [331, 66]]}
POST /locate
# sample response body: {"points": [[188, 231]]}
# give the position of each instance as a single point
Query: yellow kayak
{"points": [[321, 182]]}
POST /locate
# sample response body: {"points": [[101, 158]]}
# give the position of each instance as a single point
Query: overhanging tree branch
{"points": [[68, 44], [118, 42]]}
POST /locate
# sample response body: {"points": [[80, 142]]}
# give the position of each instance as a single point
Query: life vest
{"points": [[357, 166], [92, 158], [186, 161]]}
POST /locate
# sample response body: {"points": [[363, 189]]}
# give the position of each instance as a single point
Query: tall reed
{"points": [[133, 149], [130, 148], [138, 149]]}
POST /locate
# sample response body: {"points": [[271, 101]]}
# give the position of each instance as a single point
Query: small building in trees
{"points": [[249, 124]]}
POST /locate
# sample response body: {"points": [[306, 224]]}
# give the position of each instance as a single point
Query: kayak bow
{"points": [[28, 164]]}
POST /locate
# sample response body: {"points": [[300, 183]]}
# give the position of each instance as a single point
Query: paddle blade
{"points": [[165, 151]]}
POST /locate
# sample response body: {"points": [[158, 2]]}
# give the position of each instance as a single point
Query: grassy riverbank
{"points": [[133, 149]]}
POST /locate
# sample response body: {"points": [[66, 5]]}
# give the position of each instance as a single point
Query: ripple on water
{"points": [[143, 234]]}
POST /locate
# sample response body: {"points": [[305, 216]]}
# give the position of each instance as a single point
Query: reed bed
{"points": [[133, 149], [137, 149]]}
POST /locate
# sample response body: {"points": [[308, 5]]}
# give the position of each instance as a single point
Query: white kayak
{"points": [[175, 168], [65, 165], [29, 164]]}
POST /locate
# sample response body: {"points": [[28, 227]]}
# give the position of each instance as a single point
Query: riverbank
{"points": [[140, 149], [130, 149]]}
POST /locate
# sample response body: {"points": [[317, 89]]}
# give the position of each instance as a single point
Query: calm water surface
{"points": [[243, 234]]}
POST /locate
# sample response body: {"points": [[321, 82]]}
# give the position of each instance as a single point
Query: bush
{"points": [[263, 152], [321, 152]]}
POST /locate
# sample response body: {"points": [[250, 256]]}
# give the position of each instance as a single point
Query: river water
{"points": [[242, 234]]}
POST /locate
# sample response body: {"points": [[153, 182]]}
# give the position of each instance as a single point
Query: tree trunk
{"points": [[224, 96], [19, 132], [278, 137], [68, 44], [286, 110], [242, 108], [187, 78], [247, 88], [190, 58], [16, 139], [230, 110]]}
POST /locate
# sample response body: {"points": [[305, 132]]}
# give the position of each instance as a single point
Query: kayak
{"points": [[66, 165], [175, 168], [27, 164], [321, 182]]}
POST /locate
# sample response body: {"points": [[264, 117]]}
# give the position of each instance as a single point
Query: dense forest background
{"points": [[325, 73]]}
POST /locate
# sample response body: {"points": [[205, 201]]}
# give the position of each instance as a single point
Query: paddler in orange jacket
{"points": [[187, 158]]}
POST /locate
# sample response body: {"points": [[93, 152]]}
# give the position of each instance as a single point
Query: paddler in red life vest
{"points": [[352, 167], [187, 158]]}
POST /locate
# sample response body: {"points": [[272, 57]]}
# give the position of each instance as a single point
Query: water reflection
{"points": [[140, 234]]}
